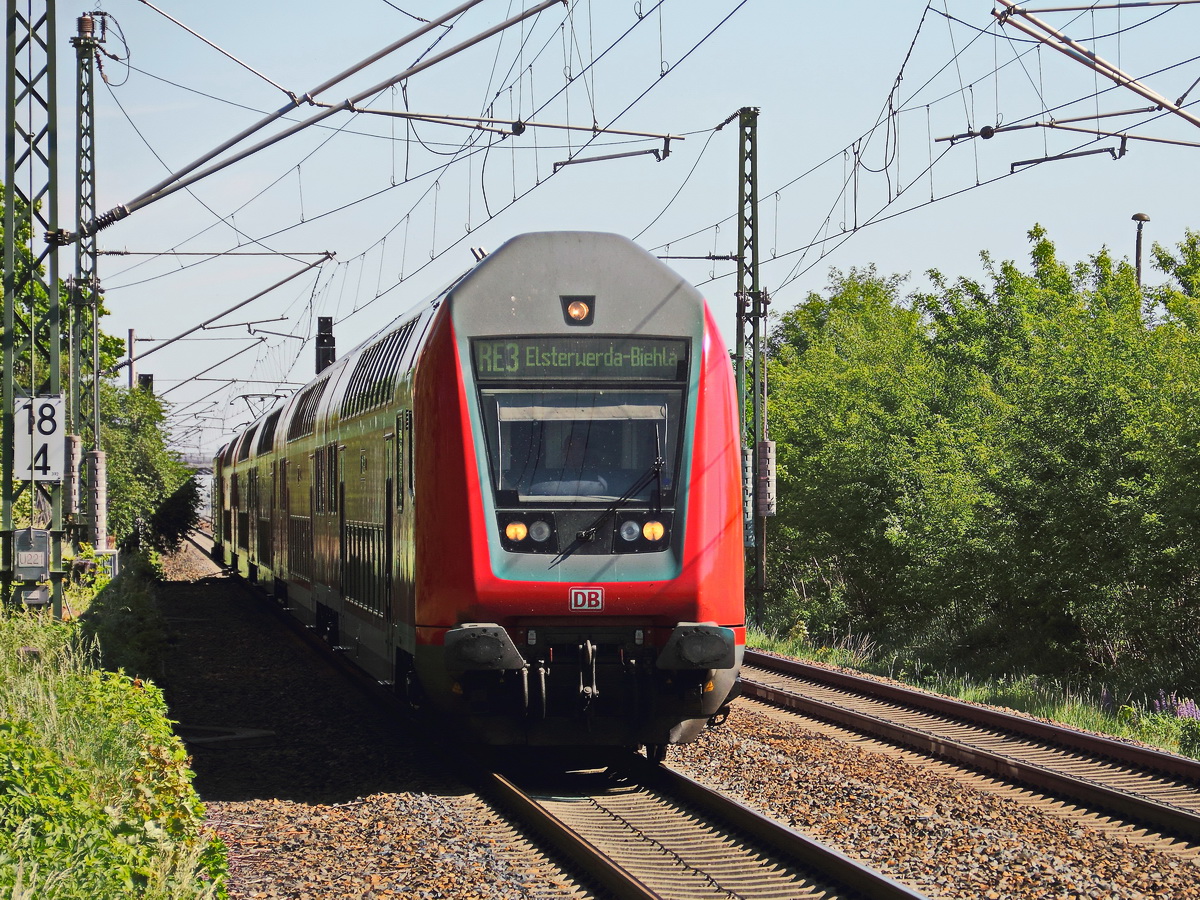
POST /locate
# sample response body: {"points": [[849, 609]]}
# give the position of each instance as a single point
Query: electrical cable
{"points": [[847, 180], [583, 146]]}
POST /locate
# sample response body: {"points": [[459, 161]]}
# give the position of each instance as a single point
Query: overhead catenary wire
{"points": [[219, 49], [215, 365], [192, 173], [336, 209], [583, 146], [393, 247], [908, 105], [125, 362]]}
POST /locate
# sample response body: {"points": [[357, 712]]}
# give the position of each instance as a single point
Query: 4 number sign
{"points": [[39, 448]]}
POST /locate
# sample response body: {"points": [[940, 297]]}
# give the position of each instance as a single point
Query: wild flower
{"points": [[1173, 704]]}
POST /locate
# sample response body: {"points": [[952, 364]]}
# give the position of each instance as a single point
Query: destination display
{"points": [[563, 356]]}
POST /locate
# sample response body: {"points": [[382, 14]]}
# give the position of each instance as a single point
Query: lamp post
{"points": [[1141, 219]]}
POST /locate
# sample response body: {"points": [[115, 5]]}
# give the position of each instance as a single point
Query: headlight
{"points": [[539, 531], [653, 531], [516, 531], [630, 530]]}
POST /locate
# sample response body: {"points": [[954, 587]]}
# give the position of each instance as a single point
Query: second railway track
{"points": [[1146, 786]]}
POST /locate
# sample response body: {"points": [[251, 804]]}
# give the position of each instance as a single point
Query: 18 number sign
{"points": [[39, 448]]}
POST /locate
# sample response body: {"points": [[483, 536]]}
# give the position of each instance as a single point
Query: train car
{"points": [[520, 503]]}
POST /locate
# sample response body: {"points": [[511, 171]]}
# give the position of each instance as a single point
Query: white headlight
{"points": [[630, 530]]}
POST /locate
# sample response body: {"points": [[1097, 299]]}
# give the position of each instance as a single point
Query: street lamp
{"points": [[1141, 219]]}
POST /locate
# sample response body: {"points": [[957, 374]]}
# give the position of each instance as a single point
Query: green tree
{"points": [[998, 473], [143, 474], [847, 372], [111, 348]]}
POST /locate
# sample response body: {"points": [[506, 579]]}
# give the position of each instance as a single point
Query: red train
{"points": [[519, 503]]}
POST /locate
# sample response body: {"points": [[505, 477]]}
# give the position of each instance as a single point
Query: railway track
{"points": [[642, 831], [627, 833], [638, 830], [1147, 787]]}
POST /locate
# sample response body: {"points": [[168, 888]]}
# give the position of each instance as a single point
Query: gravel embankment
{"points": [[930, 831]]}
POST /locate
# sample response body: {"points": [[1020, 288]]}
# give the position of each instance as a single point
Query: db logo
{"points": [[589, 598]]}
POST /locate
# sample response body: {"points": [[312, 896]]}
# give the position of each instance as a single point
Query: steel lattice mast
{"points": [[30, 226], [85, 289], [758, 454]]}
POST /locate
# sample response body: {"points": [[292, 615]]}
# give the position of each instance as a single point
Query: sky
{"points": [[852, 100]]}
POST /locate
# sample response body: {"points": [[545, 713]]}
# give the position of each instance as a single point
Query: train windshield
{"points": [[582, 445]]}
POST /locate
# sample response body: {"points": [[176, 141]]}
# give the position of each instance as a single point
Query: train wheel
{"points": [[656, 753], [414, 694], [408, 685]]}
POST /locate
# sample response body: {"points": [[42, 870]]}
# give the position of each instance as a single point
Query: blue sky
{"points": [[400, 205]]}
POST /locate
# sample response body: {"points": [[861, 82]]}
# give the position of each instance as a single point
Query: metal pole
{"points": [[1141, 219], [749, 316], [30, 216], [85, 288], [1076, 51]]}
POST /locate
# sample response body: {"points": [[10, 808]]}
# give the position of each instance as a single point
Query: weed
{"points": [[95, 794], [1170, 722]]}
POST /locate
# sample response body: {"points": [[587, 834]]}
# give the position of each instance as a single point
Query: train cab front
{"points": [[600, 685], [606, 606]]}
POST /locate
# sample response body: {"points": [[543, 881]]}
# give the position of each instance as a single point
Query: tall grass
{"points": [[95, 794], [1155, 721]]}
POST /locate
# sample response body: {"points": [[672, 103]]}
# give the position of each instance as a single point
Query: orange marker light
{"points": [[653, 531], [578, 310], [515, 531]]}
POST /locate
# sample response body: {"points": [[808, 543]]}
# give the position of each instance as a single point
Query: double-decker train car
{"points": [[520, 503]]}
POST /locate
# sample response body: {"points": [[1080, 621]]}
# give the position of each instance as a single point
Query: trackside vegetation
{"points": [[95, 794], [999, 476], [96, 799], [1164, 721]]}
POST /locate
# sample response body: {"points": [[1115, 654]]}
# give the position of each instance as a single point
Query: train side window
{"points": [[252, 492], [409, 452], [401, 456], [331, 461], [389, 469], [318, 468], [339, 467]]}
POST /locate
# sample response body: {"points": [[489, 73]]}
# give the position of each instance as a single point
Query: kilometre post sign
{"points": [[39, 448]]}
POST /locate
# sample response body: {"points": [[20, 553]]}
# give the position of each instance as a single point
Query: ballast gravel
{"points": [[315, 796], [318, 799], [930, 831]]}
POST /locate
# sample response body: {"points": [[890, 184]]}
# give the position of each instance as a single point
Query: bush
{"points": [[95, 793]]}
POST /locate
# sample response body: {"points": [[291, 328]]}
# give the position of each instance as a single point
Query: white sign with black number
{"points": [[39, 448]]}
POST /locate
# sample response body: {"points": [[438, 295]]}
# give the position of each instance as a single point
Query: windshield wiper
{"points": [[589, 533]]}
